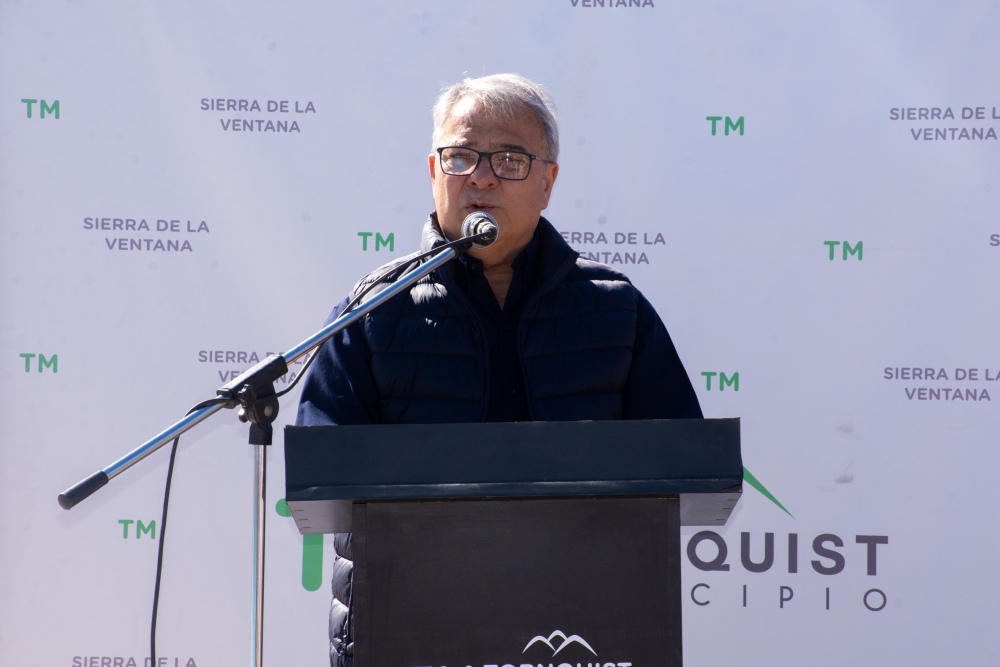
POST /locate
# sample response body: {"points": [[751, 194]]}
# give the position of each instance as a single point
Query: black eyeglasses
{"points": [[508, 165]]}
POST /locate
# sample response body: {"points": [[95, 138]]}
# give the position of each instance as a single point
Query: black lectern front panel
{"points": [[518, 581]]}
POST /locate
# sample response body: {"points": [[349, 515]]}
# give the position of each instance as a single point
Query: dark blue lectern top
{"points": [[326, 468]]}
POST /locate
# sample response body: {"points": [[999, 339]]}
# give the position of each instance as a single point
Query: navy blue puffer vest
{"points": [[576, 334]]}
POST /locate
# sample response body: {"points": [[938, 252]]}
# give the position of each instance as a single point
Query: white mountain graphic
{"points": [[566, 641]]}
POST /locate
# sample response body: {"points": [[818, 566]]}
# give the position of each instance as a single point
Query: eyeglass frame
{"points": [[489, 159]]}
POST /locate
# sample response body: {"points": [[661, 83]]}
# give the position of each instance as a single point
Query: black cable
{"points": [[163, 527], [298, 377], [213, 401], [159, 553]]}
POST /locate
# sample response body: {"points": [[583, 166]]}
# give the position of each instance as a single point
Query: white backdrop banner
{"points": [[807, 193]]}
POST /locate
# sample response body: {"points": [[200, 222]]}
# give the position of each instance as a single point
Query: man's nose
{"points": [[483, 177]]}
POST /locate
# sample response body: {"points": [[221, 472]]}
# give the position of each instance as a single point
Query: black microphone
{"points": [[480, 222]]}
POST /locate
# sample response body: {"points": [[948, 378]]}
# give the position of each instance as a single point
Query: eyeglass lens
{"points": [[511, 165]]}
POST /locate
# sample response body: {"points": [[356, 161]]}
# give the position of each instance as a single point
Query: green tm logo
{"points": [[44, 107], [730, 124], [140, 528], [312, 553], [380, 241], [43, 362], [724, 380], [856, 251]]}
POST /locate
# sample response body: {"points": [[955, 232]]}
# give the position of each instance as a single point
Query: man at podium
{"points": [[521, 330]]}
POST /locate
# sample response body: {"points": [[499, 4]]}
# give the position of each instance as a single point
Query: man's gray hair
{"points": [[503, 96]]}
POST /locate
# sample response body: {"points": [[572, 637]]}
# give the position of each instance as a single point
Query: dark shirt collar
{"points": [[546, 257], [524, 266]]}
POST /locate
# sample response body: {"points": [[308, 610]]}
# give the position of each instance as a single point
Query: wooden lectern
{"points": [[515, 544]]}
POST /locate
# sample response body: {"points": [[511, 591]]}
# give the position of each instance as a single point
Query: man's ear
{"points": [[551, 172], [430, 165]]}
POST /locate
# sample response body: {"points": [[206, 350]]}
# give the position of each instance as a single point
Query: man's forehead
{"points": [[469, 121]]}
